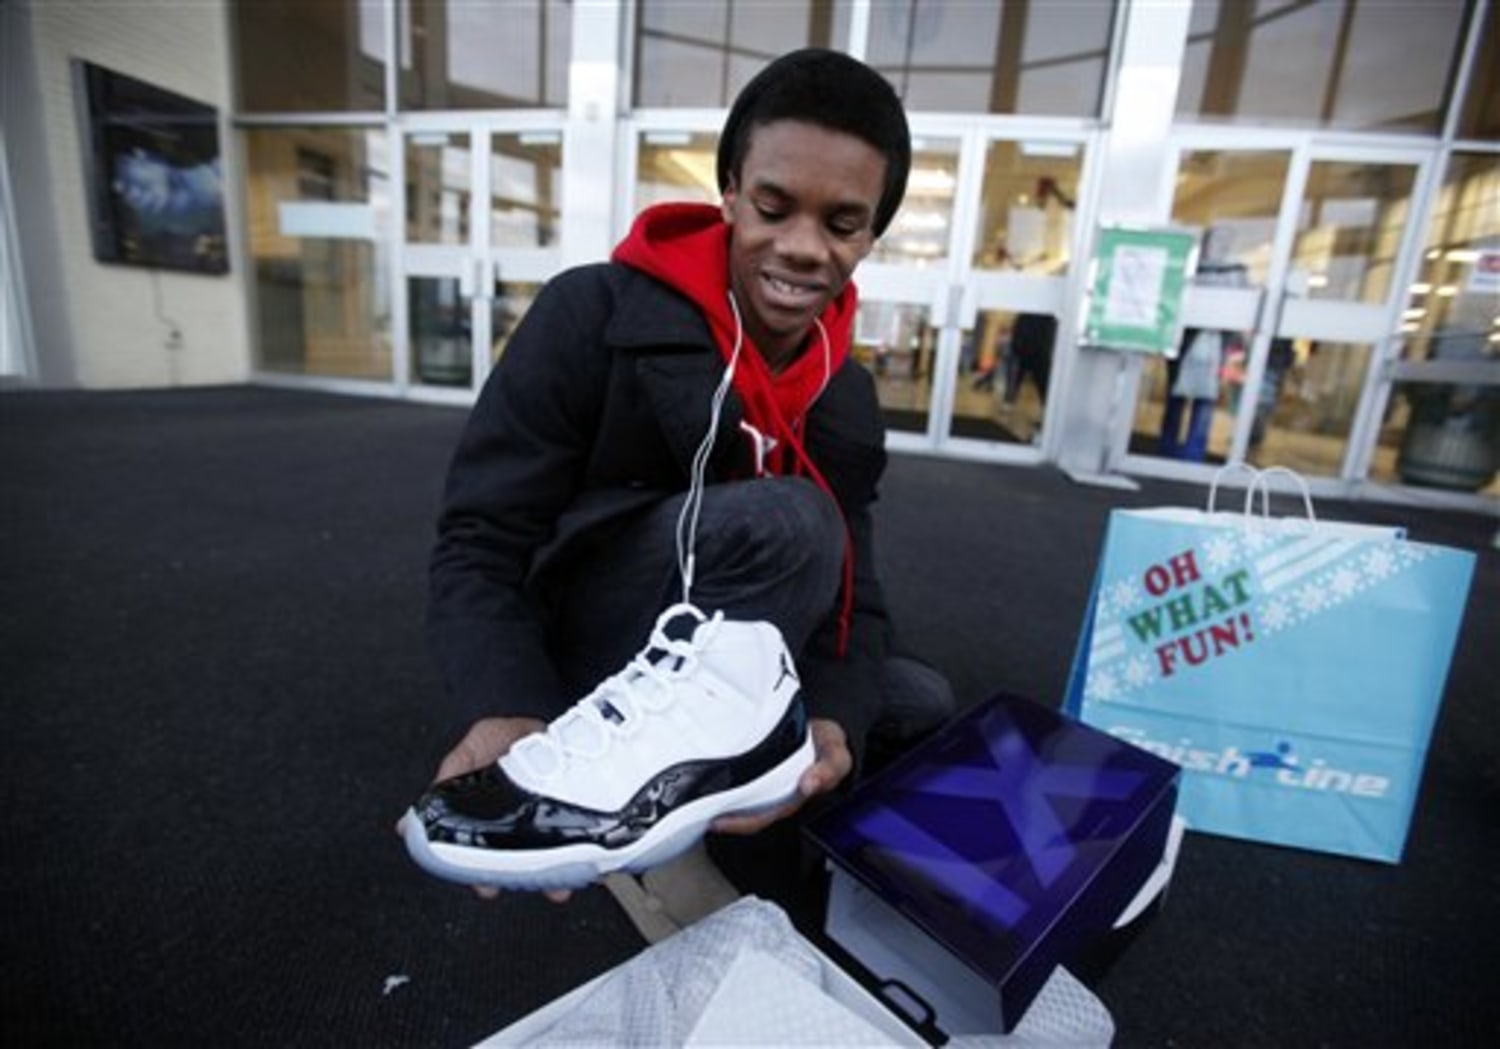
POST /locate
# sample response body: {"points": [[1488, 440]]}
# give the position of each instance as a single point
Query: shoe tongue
{"points": [[680, 628]]}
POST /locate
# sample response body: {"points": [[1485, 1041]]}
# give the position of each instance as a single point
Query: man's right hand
{"points": [[484, 744]]}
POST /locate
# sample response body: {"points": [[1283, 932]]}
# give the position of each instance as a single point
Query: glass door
{"points": [[1294, 301], [962, 301], [905, 332], [479, 237], [1436, 419], [1019, 261]]}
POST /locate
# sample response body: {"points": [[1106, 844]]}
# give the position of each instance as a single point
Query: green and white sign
{"points": [[1136, 288]]}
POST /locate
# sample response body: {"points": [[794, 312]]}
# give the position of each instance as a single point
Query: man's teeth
{"points": [[786, 288]]}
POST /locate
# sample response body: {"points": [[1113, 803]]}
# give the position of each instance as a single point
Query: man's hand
{"points": [[484, 744], [831, 765]]}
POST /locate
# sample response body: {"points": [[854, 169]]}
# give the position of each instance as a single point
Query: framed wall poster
{"points": [[1136, 283], [153, 172]]}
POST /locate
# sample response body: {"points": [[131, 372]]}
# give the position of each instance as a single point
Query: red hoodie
{"points": [[686, 246]]}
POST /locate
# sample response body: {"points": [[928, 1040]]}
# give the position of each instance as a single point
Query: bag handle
{"points": [[1213, 488], [1262, 485]]}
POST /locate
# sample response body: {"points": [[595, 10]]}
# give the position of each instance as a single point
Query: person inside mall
{"points": [[684, 423]]}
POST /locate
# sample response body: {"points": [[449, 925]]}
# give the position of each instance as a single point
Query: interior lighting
{"points": [[1409, 329], [930, 180], [1416, 313], [1463, 255], [1447, 291], [1066, 150], [924, 220], [1317, 280], [1422, 288]]}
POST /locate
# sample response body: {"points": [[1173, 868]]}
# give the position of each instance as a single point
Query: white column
{"points": [[1133, 173], [589, 147]]}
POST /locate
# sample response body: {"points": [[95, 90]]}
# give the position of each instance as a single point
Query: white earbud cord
{"points": [[692, 506]]}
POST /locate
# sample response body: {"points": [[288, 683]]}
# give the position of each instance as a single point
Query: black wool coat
{"points": [[593, 412]]}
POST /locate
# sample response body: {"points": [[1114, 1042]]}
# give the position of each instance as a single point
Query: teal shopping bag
{"points": [[1293, 668]]}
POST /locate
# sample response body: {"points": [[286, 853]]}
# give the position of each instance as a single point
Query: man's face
{"points": [[800, 214]]}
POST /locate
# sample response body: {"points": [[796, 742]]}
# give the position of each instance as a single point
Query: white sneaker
{"points": [[635, 772]]}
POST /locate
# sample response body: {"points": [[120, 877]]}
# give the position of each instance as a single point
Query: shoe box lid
{"points": [[1013, 839]]}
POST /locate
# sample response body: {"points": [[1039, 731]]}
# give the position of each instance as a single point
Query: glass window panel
{"points": [[1005, 365], [1441, 435], [1453, 307], [1026, 210], [1044, 59], [1480, 117], [441, 326], [1349, 228], [525, 190], [1172, 417], [920, 232], [441, 332], [321, 269], [1305, 405], [457, 54], [898, 343], [1321, 63], [439, 189], [1238, 192], [512, 300], [672, 165], [291, 56], [700, 54]]}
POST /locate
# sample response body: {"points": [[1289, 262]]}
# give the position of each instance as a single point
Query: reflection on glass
{"points": [[919, 233], [525, 189], [1040, 59], [320, 266], [439, 194], [440, 331], [512, 300], [1026, 212], [1005, 365], [700, 54], [297, 57], [457, 54], [1441, 435], [1349, 229], [1238, 191], [1455, 304], [1321, 63], [898, 343], [1480, 117], [1186, 409], [676, 165], [1305, 405], [1303, 408]]}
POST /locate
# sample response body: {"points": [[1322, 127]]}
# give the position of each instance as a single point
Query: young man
{"points": [[685, 420]]}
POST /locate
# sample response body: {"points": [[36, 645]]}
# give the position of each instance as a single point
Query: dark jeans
{"points": [[768, 549]]}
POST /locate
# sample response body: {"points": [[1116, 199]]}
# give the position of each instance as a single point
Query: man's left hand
{"points": [[831, 764]]}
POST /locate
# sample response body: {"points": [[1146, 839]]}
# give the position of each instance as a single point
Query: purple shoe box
{"points": [[1003, 847]]}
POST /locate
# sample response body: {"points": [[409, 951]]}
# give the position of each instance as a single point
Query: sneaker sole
{"points": [[576, 866]]}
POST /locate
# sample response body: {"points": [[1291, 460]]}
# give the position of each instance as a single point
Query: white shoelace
{"points": [[616, 709]]}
